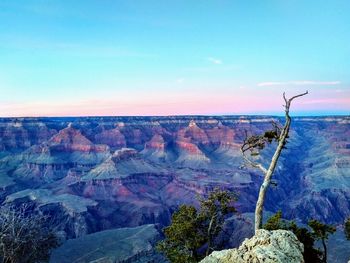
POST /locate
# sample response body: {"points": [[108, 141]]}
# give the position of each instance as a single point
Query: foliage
{"points": [[321, 232], [275, 222], [311, 254], [191, 234], [25, 236], [255, 143], [212, 214], [304, 235], [347, 228], [183, 237]]}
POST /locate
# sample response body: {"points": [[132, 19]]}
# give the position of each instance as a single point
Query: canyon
{"points": [[97, 174]]}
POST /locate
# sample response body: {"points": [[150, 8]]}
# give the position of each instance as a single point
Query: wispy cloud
{"points": [[299, 83], [209, 69], [180, 80], [215, 60]]}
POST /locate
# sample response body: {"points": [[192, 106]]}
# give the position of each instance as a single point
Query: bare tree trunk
{"points": [[324, 250], [267, 179], [210, 234], [282, 140]]}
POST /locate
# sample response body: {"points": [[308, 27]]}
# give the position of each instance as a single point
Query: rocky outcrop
{"points": [[70, 139], [156, 143], [113, 138], [221, 135], [124, 153], [279, 246], [69, 213], [51, 160], [155, 148], [19, 134], [117, 245], [103, 171], [189, 155], [72, 203], [195, 133]]}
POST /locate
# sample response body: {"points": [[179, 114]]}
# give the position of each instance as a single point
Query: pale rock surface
{"points": [[121, 245], [279, 246]]}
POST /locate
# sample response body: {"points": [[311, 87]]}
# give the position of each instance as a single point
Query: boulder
{"points": [[279, 246]]}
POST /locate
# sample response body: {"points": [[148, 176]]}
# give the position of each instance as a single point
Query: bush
{"points": [[308, 237], [25, 235], [191, 234]]}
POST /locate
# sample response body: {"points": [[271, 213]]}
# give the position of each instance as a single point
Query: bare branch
{"points": [[248, 146], [254, 164], [25, 235], [285, 99], [299, 95], [289, 101]]}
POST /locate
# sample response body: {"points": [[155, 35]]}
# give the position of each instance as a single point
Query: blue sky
{"points": [[173, 57]]}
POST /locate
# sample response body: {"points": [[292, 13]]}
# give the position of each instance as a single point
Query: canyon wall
{"points": [[101, 173]]}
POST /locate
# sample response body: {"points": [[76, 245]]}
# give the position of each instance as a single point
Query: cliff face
{"points": [[279, 246], [118, 245], [137, 170], [112, 138]]}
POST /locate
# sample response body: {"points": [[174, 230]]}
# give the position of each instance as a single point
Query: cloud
{"points": [[215, 60], [180, 80], [209, 69], [299, 83]]}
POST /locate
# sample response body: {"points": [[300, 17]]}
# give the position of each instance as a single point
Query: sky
{"points": [[97, 58]]}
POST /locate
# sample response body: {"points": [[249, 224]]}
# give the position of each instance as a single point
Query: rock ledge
{"points": [[278, 246]]}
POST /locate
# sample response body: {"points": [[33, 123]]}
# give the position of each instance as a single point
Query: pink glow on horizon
{"points": [[246, 101], [186, 106]]}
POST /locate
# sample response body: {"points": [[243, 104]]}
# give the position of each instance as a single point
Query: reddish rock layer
{"points": [[113, 138]]}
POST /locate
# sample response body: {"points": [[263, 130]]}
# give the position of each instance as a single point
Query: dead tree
{"points": [[25, 235], [255, 143]]}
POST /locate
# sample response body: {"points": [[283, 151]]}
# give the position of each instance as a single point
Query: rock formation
{"points": [[279, 246], [155, 149], [117, 245], [113, 138], [138, 170]]}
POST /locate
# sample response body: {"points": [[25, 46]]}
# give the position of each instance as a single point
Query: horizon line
{"points": [[178, 115]]}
